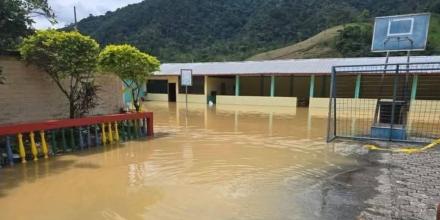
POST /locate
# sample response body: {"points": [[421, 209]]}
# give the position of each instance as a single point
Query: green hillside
{"points": [[217, 30], [352, 40], [320, 45]]}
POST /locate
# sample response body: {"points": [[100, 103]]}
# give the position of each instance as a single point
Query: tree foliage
{"points": [[355, 40], [218, 30], [16, 18], [70, 59], [132, 66]]}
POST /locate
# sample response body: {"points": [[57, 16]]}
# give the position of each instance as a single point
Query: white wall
{"points": [[257, 100]]}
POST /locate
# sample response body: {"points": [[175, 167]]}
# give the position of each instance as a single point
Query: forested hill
{"points": [[217, 30]]}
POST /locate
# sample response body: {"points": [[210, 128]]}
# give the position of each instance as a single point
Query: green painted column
{"points": [[414, 87], [312, 86], [237, 85], [272, 85], [357, 91]]}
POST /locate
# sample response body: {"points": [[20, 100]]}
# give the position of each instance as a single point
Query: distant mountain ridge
{"points": [[318, 46], [218, 30], [351, 40]]}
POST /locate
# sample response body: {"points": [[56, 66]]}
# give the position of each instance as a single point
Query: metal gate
{"points": [[391, 102]]}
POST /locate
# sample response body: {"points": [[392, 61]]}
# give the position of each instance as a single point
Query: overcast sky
{"points": [[64, 10]]}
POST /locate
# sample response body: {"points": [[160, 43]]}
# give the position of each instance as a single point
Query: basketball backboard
{"points": [[400, 33]]}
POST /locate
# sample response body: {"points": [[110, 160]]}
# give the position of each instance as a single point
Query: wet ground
{"points": [[226, 162]]}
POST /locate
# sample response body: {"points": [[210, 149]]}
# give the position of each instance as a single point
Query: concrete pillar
{"points": [[206, 88], [414, 87], [312, 86], [237, 85], [272, 85], [357, 90]]}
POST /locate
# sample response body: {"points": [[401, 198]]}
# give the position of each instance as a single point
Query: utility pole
{"points": [[74, 15]]}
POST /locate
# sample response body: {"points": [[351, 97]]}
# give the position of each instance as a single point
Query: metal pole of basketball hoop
{"points": [[399, 33]]}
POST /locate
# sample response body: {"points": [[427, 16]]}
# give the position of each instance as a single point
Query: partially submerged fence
{"points": [[41, 139], [394, 102]]}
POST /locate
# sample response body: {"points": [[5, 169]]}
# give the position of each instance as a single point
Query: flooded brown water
{"points": [[229, 162]]}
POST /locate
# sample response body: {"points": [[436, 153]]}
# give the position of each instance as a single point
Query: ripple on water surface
{"points": [[207, 163]]}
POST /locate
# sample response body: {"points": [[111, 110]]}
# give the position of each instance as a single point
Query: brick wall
{"points": [[30, 95]]}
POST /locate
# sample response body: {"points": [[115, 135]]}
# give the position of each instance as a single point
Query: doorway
{"points": [[171, 92]]}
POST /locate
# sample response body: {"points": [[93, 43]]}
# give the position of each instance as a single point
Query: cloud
{"points": [[64, 10]]}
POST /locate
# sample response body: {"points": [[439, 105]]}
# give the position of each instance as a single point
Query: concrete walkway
{"points": [[409, 187]]}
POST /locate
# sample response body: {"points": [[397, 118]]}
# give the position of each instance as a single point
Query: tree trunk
{"points": [[135, 100], [137, 106], [71, 109]]}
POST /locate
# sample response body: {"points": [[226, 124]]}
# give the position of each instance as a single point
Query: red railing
{"points": [[140, 124], [13, 129]]}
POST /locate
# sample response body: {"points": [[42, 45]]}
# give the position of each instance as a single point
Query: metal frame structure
{"points": [[398, 72]]}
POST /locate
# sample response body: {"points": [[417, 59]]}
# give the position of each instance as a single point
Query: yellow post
{"points": [[33, 146], [44, 144], [110, 133], [116, 132], [104, 139], [21, 150]]}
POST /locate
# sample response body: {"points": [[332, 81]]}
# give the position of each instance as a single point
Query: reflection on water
{"points": [[225, 162]]}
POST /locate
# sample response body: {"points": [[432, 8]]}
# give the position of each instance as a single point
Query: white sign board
{"points": [[186, 77]]}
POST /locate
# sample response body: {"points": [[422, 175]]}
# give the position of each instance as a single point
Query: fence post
{"points": [[110, 133], [64, 141], [135, 129], [21, 149], [128, 128], [89, 137], [9, 151], [33, 146], [331, 102], [44, 144], [393, 106], [72, 139], [80, 139], [53, 142], [104, 138], [150, 129], [116, 132]]}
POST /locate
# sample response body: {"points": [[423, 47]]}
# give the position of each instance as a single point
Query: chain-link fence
{"points": [[393, 102]]}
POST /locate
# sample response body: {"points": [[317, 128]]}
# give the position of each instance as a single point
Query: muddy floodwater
{"points": [[224, 162]]}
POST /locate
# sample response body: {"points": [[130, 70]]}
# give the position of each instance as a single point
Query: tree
{"points": [[70, 59], [132, 66], [16, 20], [355, 40]]}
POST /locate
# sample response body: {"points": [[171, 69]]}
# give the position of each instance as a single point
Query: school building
{"points": [[296, 82]]}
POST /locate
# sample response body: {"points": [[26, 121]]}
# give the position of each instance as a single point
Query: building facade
{"points": [[301, 82]]}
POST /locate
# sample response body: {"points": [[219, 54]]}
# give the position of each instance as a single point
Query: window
{"points": [[157, 86], [198, 86]]}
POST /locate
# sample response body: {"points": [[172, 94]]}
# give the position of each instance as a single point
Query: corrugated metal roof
{"points": [[295, 66]]}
